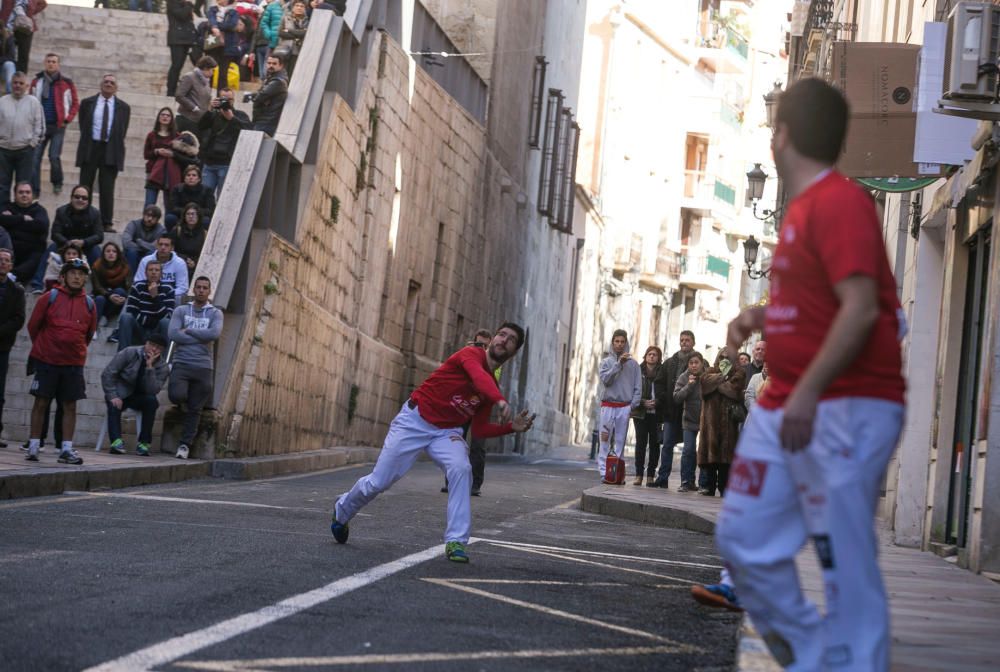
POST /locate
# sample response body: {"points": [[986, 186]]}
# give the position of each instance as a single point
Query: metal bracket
{"points": [[969, 109]]}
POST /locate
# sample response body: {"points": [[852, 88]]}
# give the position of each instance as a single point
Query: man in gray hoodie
{"points": [[622, 380], [194, 328]]}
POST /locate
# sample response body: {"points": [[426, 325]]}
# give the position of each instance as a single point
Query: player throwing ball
{"points": [[461, 390]]}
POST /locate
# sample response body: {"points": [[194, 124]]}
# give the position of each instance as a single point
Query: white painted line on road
{"points": [[65, 497], [631, 570], [31, 556], [178, 647], [520, 582], [663, 561], [413, 658], [635, 632], [186, 500]]}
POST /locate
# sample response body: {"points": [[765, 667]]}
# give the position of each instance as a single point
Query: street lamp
{"points": [[750, 247], [771, 103], [755, 191]]}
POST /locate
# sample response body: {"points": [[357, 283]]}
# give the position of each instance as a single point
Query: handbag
{"points": [[212, 42], [737, 412], [23, 24]]}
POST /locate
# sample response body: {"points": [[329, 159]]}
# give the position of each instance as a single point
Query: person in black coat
{"points": [[189, 237], [80, 222], [11, 321], [181, 39], [27, 222], [190, 191], [101, 150]]}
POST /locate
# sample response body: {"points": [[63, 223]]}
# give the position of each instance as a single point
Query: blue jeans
{"points": [[16, 165], [213, 177], [130, 332], [689, 456], [146, 404], [261, 54], [107, 308], [54, 139], [134, 5], [7, 71], [671, 437], [151, 196]]}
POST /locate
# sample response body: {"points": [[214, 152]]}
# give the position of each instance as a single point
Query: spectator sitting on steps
{"points": [[193, 190], [220, 128], [141, 235], [111, 282], [53, 270], [60, 328], [28, 225], [194, 328], [189, 238], [174, 268], [148, 309], [77, 222], [132, 380], [11, 321], [269, 101]]}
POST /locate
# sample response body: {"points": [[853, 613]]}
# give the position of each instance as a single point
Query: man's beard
{"points": [[498, 358]]}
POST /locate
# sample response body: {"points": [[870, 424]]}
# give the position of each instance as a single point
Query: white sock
{"points": [[67, 446]]}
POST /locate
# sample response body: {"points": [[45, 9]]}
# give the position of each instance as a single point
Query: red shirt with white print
{"points": [[830, 232], [461, 390]]}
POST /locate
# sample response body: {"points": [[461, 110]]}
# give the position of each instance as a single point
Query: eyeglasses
{"points": [[81, 197]]}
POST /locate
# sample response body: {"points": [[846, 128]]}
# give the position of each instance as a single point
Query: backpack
{"points": [[53, 293]]}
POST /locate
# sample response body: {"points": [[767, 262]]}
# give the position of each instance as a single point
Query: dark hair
{"points": [[72, 191], [619, 332], [744, 354], [184, 212], [206, 62], [815, 114], [192, 169], [23, 183], [200, 278], [483, 332], [516, 328], [119, 260], [67, 246], [156, 261], [697, 354], [279, 57], [8, 251], [152, 210], [165, 237], [156, 339], [688, 332], [171, 127], [52, 53]]}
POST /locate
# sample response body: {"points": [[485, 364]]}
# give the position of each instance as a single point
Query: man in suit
{"points": [[101, 153]]}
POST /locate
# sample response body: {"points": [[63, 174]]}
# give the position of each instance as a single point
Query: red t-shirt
{"points": [[830, 232], [460, 390]]}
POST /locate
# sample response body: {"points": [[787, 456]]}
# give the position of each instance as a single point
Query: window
{"points": [[550, 149], [537, 92], [565, 220], [559, 157]]}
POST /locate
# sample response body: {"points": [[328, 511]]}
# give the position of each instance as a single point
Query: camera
{"points": [[249, 97], [224, 104]]}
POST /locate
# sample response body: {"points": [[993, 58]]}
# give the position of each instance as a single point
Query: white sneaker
{"points": [[103, 322], [182, 452]]}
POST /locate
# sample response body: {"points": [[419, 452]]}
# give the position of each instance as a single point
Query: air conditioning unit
{"points": [[972, 52]]}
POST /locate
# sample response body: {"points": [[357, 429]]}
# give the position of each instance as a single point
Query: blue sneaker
{"points": [[455, 551], [117, 447], [716, 595], [340, 531]]}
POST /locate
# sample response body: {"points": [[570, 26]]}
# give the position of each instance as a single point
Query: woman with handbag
{"points": [[293, 31], [722, 412], [162, 171], [645, 418]]}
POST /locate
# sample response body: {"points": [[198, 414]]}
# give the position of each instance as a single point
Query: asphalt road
{"points": [[221, 575]]}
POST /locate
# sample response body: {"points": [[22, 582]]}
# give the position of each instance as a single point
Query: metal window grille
{"points": [[559, 166], [537, 92], [565, 222], [550, 148]]}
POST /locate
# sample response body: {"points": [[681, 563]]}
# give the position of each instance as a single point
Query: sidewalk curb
{"points": [[752, 654], [268, 466]]}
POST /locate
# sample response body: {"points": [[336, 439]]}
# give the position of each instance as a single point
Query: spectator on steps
{"points": [[28, 225], [224, 23], [22, 128], [293, 32], [134, 6], [162, 172], [22, 23], [220, 128], [187, 150], [132, 380], [79, 222], [266, 37], [104, 121], [191, 191], [189, 237], [194, 329], [194, 94], [60, 327], [148, 309], [57, 259], [174, 268], [139, 239], [11, 321], [57, 94], [8, 58], [181, 40], [111, 280], [269, 101]]}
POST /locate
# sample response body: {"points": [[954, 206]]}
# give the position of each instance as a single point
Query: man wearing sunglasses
{"points": [[61, 326]]}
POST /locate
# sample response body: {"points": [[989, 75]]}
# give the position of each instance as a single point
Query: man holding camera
{"points": [[267, 102], [220, 129]]}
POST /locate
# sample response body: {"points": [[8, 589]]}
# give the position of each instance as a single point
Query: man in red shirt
{"points": [[61, 326], [460, 391], [812, 455]]}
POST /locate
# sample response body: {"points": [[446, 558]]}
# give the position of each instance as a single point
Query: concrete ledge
{"points": [[614, 501], [252, 468], [45, 482]]}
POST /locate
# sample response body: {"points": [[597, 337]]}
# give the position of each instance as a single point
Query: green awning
{"points": [[896, 184]]}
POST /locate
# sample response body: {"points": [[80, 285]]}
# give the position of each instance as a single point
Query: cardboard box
{"points": [[879, 81]]}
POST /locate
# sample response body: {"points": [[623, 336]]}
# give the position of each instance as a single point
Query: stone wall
{"points": [[409, 243]]}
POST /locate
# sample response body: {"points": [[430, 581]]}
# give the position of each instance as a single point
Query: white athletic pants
{"points": [[775, 500], [614, 423], [408, 435]]}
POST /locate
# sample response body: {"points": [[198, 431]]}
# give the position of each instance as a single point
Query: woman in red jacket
{"points": [[162, 172]]}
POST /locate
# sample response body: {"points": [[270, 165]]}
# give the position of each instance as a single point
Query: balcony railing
{"points": [[725, 193], [708, 264], [669, 263], [737, 43]]}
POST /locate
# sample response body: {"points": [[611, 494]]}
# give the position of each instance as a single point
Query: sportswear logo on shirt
{"points": [[192, 322], [466, 407]]}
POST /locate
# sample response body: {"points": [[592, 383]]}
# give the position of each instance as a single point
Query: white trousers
{"points": [[775, 500], [614, 426], [409, 434]]}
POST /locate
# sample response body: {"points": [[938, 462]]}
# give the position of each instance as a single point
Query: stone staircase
{"points": [[92, 42]]}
